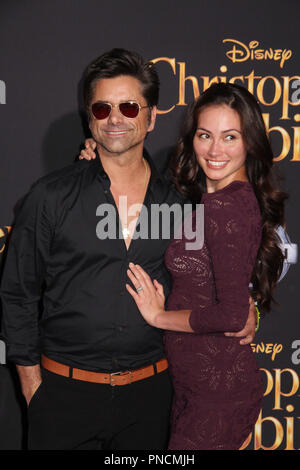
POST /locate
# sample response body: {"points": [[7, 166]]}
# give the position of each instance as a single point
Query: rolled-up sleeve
{"points": [[23, 278]]}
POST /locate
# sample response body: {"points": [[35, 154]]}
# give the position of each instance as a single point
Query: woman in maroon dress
{"points": [[224, 154]]}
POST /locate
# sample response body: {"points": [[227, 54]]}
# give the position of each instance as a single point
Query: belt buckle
{"points": [[117, 373]]}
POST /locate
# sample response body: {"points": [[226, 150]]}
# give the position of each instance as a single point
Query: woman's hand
{"points": [[248, 332], [88, 152], [149, 296]]}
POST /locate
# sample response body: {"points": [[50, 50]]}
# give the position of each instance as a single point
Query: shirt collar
{"points": [[158, 185]]}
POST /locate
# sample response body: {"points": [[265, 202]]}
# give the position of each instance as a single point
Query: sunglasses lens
{"points": [[130, 110], [101, 110]]}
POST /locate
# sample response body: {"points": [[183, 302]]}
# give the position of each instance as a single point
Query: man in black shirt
{"points": [[104, 382]]}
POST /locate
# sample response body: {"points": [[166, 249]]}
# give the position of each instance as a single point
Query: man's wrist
{"points": [[30, 391], [30, 378]]}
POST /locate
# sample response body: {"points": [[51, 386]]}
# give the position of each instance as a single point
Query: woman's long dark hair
{"points": [[189, 178]]}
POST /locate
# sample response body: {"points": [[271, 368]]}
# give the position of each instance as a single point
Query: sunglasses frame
{"points": [[118, 106]]}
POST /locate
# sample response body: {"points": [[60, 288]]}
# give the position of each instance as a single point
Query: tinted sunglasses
{"points": [[129, 109]]}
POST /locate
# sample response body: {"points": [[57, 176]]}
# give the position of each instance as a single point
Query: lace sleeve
{"points": [[232, 236]]}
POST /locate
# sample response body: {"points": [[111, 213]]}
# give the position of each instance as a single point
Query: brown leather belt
{"points": [[116, 378]]}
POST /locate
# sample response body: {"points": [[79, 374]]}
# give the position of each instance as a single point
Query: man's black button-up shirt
{"points": [[63, 289]]}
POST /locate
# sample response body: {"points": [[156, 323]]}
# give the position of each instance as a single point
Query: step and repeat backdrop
{"points": [[44, 48]]}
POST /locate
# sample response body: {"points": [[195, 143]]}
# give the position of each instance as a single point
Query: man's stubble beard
{"points": [[124, 150]]}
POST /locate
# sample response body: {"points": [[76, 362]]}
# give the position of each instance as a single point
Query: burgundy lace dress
{"points": [[217, 383]]}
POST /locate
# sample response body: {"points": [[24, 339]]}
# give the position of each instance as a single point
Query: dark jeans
{"points": [[71, 414]]}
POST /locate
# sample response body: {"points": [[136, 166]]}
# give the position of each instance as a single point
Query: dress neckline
{"points": [[227, 188]]}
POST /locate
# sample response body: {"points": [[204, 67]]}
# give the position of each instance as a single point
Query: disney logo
{"points": [[4, 232], [241, 52]]}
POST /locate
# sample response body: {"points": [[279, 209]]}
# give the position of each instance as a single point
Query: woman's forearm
{"points": [[174, 320]]}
